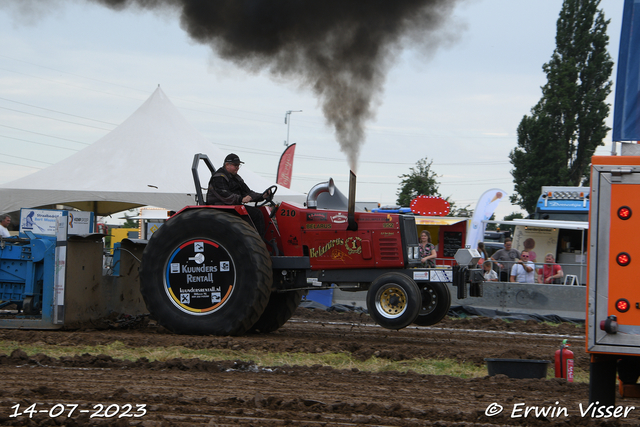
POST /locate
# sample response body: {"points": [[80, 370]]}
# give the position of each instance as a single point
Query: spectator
{"points": [[523, 271], [489, 273], [4, 224], [482, 252], [528, 245], [428, 252], [550, 271], [505, 258]]}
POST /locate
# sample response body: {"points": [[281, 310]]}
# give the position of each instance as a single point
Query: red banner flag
{"points": [[285, 167]]}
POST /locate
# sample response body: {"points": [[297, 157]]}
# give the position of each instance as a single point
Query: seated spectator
{"points": [[489, 273], [523, 271], [550, 271]]}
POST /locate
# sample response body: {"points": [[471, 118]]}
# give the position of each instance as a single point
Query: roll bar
{"points": [[196, 178]]}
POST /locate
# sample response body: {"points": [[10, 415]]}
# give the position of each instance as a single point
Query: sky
{"points": [[70, 72]]}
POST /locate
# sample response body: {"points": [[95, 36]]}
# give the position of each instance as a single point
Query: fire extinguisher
{"points": [[564, 362]]}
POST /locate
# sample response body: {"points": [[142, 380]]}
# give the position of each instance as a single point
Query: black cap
{"points": [[232, 158]]}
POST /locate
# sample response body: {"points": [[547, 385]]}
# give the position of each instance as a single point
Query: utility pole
{"points": [[287, 121]]}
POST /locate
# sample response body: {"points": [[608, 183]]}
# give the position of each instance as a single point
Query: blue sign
{"points": [[626, 111]]}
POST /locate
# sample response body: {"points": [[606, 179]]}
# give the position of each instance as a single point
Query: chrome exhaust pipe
{"points": [[323, 187], [351, 217]]}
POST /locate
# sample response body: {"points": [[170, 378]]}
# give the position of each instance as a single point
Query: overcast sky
{"points": [[70, 74]]}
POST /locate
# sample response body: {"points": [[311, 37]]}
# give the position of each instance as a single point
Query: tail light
{"points": [[623, 259], [622, 305], [624, 212]]}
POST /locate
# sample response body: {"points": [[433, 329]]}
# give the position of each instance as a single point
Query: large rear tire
{"points": [[393, 300], [279, 309], [206, 272], [436, 301]]}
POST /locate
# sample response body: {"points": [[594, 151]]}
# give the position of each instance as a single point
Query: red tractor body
{"points": [[208, 271]]}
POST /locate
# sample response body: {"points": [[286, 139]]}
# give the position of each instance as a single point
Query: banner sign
{"points": [[39, 221], [285, 167], [43, 221], [79, 223], [626, 111], [486, 206]]}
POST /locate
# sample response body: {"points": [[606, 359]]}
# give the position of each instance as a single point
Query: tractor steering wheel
{"points": [[269, 199]]}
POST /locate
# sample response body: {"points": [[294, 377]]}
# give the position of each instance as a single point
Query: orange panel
{"points": [[615, 160], [624, 281]]}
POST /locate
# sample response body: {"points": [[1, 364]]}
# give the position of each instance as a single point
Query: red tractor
{"points": [[207, 271]]}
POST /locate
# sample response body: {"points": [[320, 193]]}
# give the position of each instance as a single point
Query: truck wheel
{"points": [[602, 380], [436, 301], [279, 309], [629, 369], [393, 300], [206, 272]]}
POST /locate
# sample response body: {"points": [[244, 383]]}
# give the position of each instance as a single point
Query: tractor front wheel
{"points": [[436, 301], [394, 300]]}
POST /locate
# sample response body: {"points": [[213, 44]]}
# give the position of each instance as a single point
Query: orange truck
{"points": [[613, 285]]}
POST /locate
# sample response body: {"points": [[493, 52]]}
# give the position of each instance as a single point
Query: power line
{"points": [[23, 158], [51, 118], [302, 119], [40, 143], [16, 164], [336, 159], [56, 111], [44, 134]]}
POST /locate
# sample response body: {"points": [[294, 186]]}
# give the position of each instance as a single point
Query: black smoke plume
{"points": [[341, 49]]}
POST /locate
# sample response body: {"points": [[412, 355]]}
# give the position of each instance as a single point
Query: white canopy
{"points": [[546, 223], [146, 161]]}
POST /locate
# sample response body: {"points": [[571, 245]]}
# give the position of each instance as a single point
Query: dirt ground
{"points": [[197, 393]]}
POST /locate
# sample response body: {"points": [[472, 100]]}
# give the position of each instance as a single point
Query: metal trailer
{"points": [[55, 281], [613, 294], [27, 267]]}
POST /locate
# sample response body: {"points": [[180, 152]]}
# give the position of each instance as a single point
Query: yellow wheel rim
{"points": [[391, 301]]}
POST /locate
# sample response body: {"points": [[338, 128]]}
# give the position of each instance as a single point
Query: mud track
{"points": [[193, 392]]}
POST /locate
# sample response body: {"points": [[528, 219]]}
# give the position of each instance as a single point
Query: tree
{"points": [[420, 181], [129, 222], [491, 226], [556, 142], [454, 211], [512, 216]]}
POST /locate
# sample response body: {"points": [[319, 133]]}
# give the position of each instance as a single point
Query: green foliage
{"points": [[420, 181], [490, 226], [131, 223], [556, 142], [512, 216], [454, 211]]}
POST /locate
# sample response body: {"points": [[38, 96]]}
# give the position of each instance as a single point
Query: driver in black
{"points": [[226, 187]]}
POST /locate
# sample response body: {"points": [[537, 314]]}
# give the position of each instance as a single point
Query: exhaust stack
{"points": [[353, 225], [323, 187]]}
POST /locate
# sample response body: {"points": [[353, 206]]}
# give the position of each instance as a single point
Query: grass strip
{"points": [[119, 350]]}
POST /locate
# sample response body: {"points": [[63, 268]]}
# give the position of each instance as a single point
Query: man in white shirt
{"points": [[4, 223], [523, 270]]}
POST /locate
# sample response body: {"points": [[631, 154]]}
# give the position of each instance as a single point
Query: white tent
{"points": [[146, 161]]}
